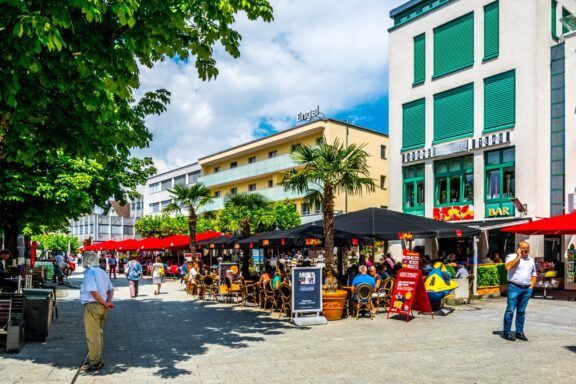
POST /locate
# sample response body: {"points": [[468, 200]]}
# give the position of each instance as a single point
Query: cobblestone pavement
{"points": [[173, 338]]}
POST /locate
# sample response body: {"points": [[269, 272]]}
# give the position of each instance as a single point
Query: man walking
{"points": [[112, 262], [521, 279], [96, 295]]}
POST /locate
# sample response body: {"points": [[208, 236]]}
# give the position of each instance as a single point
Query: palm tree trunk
{"points": [[245, 230], [328, 213], [192, 230]]}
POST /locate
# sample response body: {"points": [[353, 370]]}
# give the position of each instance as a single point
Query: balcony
{"points": [[258, 168], [273, 194]]}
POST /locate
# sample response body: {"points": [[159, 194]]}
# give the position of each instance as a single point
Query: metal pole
{"points": [[475, 267]]}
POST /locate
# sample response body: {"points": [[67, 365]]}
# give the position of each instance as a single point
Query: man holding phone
{"points": [[521, 280]]}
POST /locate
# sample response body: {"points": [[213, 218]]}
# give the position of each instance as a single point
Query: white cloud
{"points": [[321, 52]]}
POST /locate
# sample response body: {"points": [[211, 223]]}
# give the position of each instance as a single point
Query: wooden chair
{"points": [[363, 299], [384, 294], [249, 292], [286, 298], [208, 288], [269, 296], [232, 291]]}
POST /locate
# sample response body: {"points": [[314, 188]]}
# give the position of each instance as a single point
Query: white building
{"points": [[482, 98], [110, 223]]}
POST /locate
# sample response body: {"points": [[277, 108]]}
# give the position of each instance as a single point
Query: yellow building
{"points": [[258, 166]]}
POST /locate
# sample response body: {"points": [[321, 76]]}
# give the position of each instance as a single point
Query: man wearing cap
{"points": [[521, 279], [96, 295]]}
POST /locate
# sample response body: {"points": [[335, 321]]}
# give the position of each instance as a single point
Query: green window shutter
{"points": [[491, 31], [454, 45], [419, 59], [564, 14], [454, 113], [500, 101], [413, 124], [554, 5]]}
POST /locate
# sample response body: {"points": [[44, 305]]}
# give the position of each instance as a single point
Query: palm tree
{"points": [[241, 209], [190, 198], [329, 170]]}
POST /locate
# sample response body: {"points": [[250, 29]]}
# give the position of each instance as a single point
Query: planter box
{"points": [[333, 304], [490, 290]]}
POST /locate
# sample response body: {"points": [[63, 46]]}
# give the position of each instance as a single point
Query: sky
{"points": [[326, 53]]}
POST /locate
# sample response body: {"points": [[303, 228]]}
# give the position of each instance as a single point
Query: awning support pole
{"points": [[475, 266]]}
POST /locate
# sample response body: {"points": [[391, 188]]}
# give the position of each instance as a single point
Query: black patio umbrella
{"points": [[218, 242], [255, 241], [309, 234], [385, 224]]}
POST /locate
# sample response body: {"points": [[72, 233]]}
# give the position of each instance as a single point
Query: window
{"points": [[270, 183], [419, 59], [233, 191], [217, 194], [308, 208], [305, 209], [295, 147], [233, 164], [251, 159], [491, 31], [180, 180], [252, 187], [193, 177], [500, 101], [568, 24], [382, 151], [164, 203], [454, 180], [216, 169], [554, 5], [272, 154], [166, 184], [500, 175], [413, 124], [413, 192], [154, 187], [454, 45], [454, 114], [382, 181], [154, 207]]}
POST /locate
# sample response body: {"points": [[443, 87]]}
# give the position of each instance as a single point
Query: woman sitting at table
{"points": [[330, 281], [277, 280], [265, 276]]}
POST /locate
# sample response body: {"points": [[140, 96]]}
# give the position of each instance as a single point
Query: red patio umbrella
{"points": [[108, 245], [151, 244], [182, 241], [557, 225], [127, 245]]}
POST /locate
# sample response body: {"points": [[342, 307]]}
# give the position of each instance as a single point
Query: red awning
{"points": [[182, 241], [127, 245], [151, 244], [557, 225]]}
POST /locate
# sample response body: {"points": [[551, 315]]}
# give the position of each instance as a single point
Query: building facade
{"points": [[480, 103], [111, 223], [258, 166]]}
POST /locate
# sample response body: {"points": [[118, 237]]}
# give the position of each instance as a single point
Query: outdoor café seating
{"points": [[269, 296], [232, 290], [363, 299], [384, 294], [249, 293], [286, 298], [208, 288]]}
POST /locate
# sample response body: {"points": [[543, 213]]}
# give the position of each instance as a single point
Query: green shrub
{"points": [[503, 273], [488, 275]]}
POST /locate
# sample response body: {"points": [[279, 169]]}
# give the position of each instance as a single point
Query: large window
{"points": [[454, 114], [154, 207], [180, 180], [193, 177], [500, 101], [454, 45], [413, 193], [419, 59], [154, 187], [500, 175], [491, 31], [413, 124], [454, 181], [166, 184]]}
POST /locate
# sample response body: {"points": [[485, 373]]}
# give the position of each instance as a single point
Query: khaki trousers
{"points": [[94, 317]]}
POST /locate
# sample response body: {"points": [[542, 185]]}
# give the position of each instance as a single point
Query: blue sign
{"points": [[306, 289]]}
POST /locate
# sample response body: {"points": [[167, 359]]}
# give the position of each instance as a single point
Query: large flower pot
{"points": [[333, 304]]}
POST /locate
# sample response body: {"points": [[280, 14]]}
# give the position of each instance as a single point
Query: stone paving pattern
{"points": [[172, 338]]}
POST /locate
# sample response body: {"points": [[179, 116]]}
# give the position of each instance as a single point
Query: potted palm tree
{"points": [[190, 198], [327, 170]]}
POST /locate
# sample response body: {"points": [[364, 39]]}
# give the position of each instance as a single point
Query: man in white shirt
{"points": [[96, 295], [521, 279]]}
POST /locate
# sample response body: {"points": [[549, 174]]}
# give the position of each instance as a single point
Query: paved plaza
{"points": [[173, 338]]}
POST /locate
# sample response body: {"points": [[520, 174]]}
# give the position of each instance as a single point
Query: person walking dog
{"points": [[521, 280], [96, 295]]}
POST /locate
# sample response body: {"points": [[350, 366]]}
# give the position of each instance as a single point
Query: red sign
{"points": [[409, 294], [312, 242], [405, 236], [410, 259], [454, 213], [354, 241]]}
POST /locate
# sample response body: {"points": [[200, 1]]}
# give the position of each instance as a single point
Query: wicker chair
{"points": [[231, 291], [269, 296], [286, 298], [384, 294], [363, 299], [249, 293], [208, 288]]}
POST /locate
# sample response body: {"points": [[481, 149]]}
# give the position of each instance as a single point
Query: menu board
{"points": [[306, 289], [410, 259], [222, 268], [409, 294], [570, 267]]}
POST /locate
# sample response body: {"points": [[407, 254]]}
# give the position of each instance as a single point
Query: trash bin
{"points": [[38, 313]]}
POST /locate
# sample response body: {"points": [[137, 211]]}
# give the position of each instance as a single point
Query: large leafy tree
{"points": [[190, 198], [327, 171], [69, 71], [167, 225], [57, 242]]}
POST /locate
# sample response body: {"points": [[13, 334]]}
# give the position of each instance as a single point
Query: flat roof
{"points": [[404, 7], [175, 169]]}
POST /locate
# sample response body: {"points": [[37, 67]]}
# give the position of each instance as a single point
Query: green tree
{"points": [[329, 170], [285, 215], [57, 242], [69, 72], [190, 198]]}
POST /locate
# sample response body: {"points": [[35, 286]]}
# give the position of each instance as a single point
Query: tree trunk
{"points": [[192, 231], [11, 232], [245, 229], [328, 212]]}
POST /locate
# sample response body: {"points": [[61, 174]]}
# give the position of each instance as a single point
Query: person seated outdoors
{"points": [[363, 278], [462, 271], [6, 284], [60, 266], [265, 276], [377, 278], [331, 284], [496, 257], [381, 270], [277, 280]]}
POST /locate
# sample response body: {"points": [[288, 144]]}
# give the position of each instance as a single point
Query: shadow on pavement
{"points": [[571, 348]]}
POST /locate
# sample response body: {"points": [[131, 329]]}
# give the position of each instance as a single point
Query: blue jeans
{"points": [[517, 301]]}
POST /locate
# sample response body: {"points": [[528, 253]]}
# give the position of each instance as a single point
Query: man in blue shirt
{"points": [[96, 295], [363, 278]]}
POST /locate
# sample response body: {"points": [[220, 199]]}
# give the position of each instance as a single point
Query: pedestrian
{"points": [[157, 274], [183, 271], [134, 275], [96, 295], [112, 262], [521, 279]]}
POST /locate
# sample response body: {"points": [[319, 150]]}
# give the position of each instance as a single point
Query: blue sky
{"points": [[333, 54]]}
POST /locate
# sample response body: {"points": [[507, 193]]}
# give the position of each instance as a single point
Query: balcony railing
{"points": [[262, 167], [273, 194]]}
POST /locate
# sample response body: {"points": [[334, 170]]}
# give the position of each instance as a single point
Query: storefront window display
{"points": [[454, 181]]}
